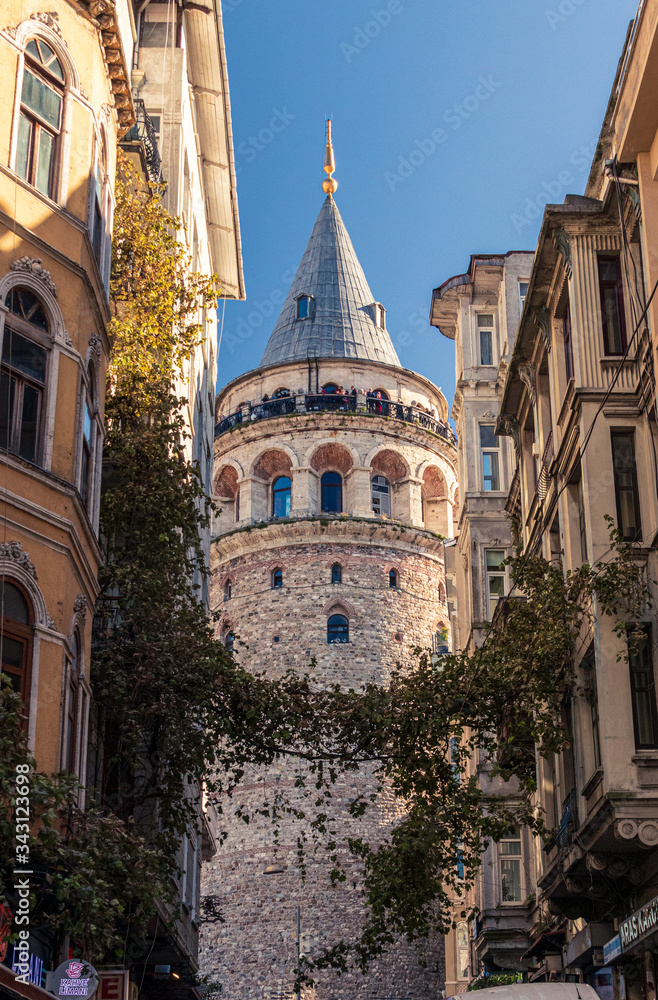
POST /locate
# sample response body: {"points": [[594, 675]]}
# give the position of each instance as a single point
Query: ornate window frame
{"points": [[89, 394], [16, 566], [38, 26], [27, 272], [99, 177]]}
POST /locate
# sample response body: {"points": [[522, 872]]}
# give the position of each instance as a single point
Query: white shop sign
{"points": [[639, 925], [73, 978]]}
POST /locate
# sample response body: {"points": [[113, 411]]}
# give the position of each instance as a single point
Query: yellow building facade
{"points": [[59, 123]]}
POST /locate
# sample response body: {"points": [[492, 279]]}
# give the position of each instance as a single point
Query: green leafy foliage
{"points": [[173, 713], [496, 979]]}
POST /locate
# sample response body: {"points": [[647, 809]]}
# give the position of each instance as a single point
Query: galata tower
{"points": [[335, 474]]}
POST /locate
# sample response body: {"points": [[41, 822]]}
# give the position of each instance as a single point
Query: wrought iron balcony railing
{"points": [[317, 402], [333, 401], [144, 132]]}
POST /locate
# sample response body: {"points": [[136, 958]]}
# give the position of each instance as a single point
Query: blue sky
{"points": [[453, 124]]}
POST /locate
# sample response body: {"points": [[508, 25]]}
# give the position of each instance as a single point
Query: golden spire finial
{"points": [[329, 185]]}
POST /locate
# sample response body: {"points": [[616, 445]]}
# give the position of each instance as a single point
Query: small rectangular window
{"points": [[643, 688], [582, 522], [523, 291], [568, 343], [589, 670], [495, 578], [380, 494], [490, 450], [490, 471], [86, 470], [612, 305], [626, 489], [303, 307], [185, 207], [509, 858], [486, 348], [189, 850], [485, 335], [195, 249]]}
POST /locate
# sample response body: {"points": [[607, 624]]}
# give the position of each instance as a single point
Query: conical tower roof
{"points": [[343, 319]]}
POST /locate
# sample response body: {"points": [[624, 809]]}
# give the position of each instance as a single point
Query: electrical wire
{"points": [[221, 329]]}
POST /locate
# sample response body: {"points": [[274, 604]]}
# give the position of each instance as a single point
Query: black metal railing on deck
{"points": [[317, 402], [330, 401], [144, 132]]}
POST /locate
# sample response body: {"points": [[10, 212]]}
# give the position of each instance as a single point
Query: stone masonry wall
{"points": [[285, 627], [253, 953]]}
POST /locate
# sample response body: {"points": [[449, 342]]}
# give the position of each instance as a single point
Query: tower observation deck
{"points": [[345, 463]]}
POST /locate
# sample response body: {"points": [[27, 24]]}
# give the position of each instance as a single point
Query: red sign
{"points": [[6, 918], [112, 986]]}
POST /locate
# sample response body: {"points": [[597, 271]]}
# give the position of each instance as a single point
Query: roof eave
{"points": [[208, 73], [554, 218]]}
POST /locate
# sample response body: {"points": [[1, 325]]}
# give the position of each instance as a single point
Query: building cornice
{"points": [[46, 250], [327, 529], [350, 364], [276, 428], [103, 15]]}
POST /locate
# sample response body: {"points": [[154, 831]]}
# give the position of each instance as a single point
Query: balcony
{"points": [[544, 478], [348, 403], [143, 131]]}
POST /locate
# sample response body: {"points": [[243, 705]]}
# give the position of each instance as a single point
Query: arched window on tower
{"points": [[16, 638], [305, 306], [338, 629], [227, 590], [277, 579], [380, 494], [23, 375], [229, 640], [40, 117], [281, 497], [336, 573], [393, 578], [332, 493], [440, 639]]}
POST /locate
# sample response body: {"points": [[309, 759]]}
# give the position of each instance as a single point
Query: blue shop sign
{"points": [[612, 950]]}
